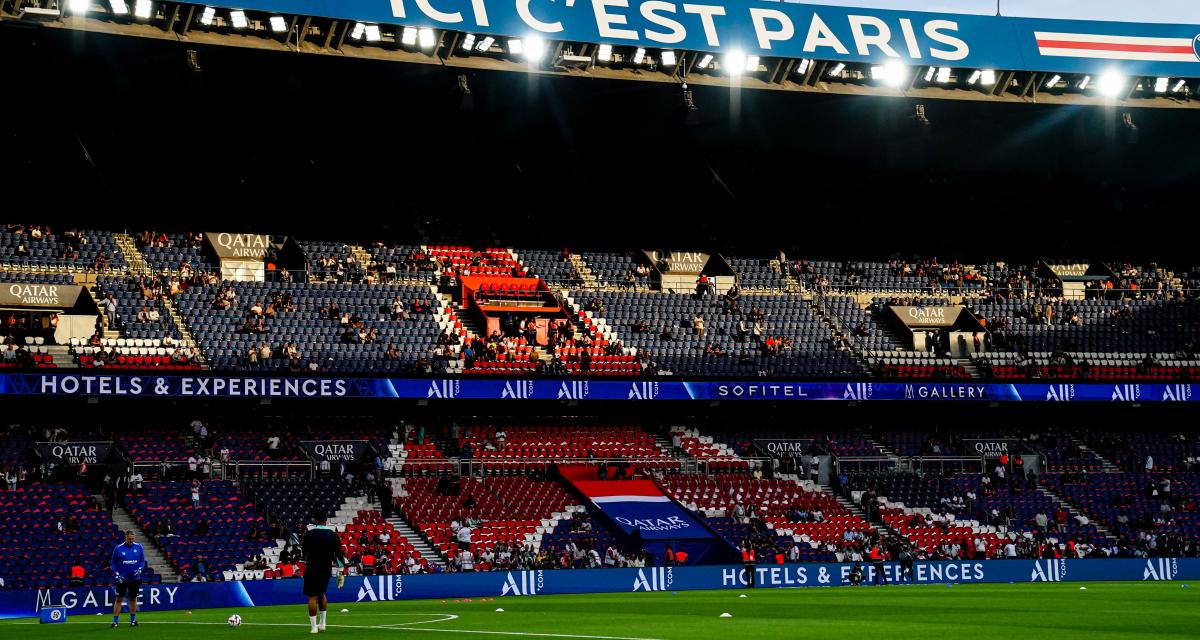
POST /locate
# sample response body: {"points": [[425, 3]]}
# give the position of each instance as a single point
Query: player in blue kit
{"points": [[128, 562]]}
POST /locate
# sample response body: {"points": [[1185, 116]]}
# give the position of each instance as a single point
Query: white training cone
{"points": [[726, 615], [742, 596], [345, 611], [499, 610], [1083, 588]]}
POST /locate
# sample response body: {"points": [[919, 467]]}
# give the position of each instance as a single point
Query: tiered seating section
{"points": [[513, 509], [75, 251], [802, 345], [552, 441], [789, 507], [35, 555], [319, 340], [228, 517], [293, 502]]}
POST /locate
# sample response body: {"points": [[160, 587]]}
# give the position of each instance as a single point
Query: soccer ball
{"points": [[235, 620]]}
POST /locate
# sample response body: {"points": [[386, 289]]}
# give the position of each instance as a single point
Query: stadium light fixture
{"points": [[206, 18], [486, 44], [1179, 86], [1083, 84], [535, 49], [751, 64], [359, 30], [928, 74], [408, 37], [468, 42], [974, 77], [735, 62], [1053, 81], [837, 69], [705, 61], [943, 75], [1111, 84], [373, 34], [668, 58], [605, 53], [894, 73], [143, 9], [119, 7], [427, 38], [238, 18], [515, 46], [639, 55], [802, 68], [79, 7], [278, 24], [989, 77], [1161, 84]]}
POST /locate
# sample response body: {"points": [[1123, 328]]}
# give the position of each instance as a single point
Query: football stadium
{"points": [[601, 320]]}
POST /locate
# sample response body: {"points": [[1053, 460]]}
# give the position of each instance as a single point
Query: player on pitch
{"points": [[127, 563], [322, 549]]}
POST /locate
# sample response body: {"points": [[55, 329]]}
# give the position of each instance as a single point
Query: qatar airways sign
{"points": [[243, 246], [49, 296]]}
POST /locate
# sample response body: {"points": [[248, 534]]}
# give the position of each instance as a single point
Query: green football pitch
{"points": [[975, 612]]}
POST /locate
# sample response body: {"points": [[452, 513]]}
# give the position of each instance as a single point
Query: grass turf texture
{"points": [[1059, 611]]}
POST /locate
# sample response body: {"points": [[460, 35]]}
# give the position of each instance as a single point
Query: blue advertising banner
{"points": [[791, 29], [90, 601], [218, 386]]}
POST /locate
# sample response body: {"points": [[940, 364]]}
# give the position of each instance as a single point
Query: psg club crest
{"points": [[1196, 47]]}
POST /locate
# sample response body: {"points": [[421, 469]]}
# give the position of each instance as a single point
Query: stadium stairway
{"points": [[414, 537], [360, 255], [585, 272], [1105, 463], [1074, 511], [154, 557], [61, 354], [137, 262]]}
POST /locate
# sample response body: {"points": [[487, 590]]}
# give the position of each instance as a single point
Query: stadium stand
{"points": [[36, 554], [216, 533]]}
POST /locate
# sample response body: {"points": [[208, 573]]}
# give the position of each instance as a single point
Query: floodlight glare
{"points": [[408, 36], [974, 77], [605, 53], [1160, 85], [1111, 84], [485, 44], [735, 62], [705, 61], [119, 7], [943, 75], [468, 42], [989, 77], [206, 18], [372, 32], [751, 64], [535, 48], [668, 58], [837, 69], [79, 7], [142, 9], [278, 24], [803, 67], [1053, 81], [427, 38], [894, 73], [639, 55], [516, 47], [238, 18]]}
